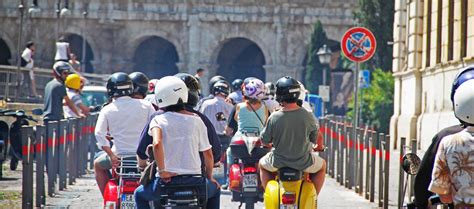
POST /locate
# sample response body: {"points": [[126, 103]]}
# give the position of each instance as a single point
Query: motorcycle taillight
{"points": [[129, 186], [239, 141], [288, 198], [250, 170]]}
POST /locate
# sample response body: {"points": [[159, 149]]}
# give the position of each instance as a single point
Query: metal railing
{"points": [[64, 148], [9, 77], [348, 159]]}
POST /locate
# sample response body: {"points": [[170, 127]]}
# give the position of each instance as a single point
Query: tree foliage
{"points": [[377, 15], [377, 101], [313, 77]]}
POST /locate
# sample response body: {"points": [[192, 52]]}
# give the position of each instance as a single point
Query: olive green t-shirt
{"points": [[291, 133]]}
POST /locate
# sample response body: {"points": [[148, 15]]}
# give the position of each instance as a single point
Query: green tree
{"points": [[377, 101], [314, 74], [377, 15]]}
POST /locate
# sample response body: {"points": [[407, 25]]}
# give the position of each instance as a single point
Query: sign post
{"points": [[358, 44]]}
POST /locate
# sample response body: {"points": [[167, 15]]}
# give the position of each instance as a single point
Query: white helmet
{"points": [[170, 90], [302, 91], [255, 89], [463, 102]]}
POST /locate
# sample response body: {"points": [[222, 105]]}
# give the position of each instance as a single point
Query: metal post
{"points": [[83, 61], [401, 174], [386, 172], [62, 154], [27, 183], [332, 163], [355, 119], [324, 83], [373, 142], [52, 133], [341, 149], [71, 150], [40, 159], [367, 135], [381, 183], [360, 170], [21, 8]]}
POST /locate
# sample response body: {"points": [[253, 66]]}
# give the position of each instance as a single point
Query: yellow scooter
{"points": [[292, 189]]}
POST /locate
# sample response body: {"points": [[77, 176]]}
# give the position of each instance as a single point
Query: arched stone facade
{"points": [[198, 29]]}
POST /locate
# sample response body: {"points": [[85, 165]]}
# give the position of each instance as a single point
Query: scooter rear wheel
{"points": [[249, 204]]}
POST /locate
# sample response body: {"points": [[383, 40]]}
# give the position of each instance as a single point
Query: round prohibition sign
{"points": [[358, 44]]}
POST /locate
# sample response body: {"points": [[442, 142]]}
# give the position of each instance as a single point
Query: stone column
{"points": [[470, 31], [182, 67], [194, 45]]}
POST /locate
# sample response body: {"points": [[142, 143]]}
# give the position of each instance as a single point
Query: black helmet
{"points": [[214, 80], [270, 88], [237, 84], [119, 84], [221, 87], [287, 89], [140, 83], [193, 87], [61, 66]]}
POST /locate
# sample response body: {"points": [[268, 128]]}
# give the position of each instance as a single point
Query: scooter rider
{"points": [[55, 93], [140, 85], [213, 80], [124, 119], [291, 132], [236, 96], [193, 98], [423, 177], [178, 137], [73, 84], [452, 177], [151, 93], [269, 98]]}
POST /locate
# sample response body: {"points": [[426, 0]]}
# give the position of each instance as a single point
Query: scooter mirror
{"points": [[37, 111], [411, 163]]}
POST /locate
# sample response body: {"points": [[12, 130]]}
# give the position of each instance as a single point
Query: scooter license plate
{"points": [[127, 202], [288, 207], [250, 180]]}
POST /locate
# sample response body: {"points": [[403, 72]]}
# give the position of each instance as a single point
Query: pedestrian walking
{"points": [[62, 50], [28, 63], [76, 65]]}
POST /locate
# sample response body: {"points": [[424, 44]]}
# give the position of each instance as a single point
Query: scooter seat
{"points": [[290, 174]]}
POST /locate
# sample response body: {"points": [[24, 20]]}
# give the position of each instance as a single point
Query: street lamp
{"points": [[324, 54], [21, 9], [83, 61]]}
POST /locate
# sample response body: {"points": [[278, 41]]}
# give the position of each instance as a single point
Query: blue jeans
{"points": [[145, 194]]}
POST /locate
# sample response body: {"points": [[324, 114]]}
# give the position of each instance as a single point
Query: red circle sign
{"points": [[358, 44]]}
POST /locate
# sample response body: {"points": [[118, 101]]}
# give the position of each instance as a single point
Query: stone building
{"points": [[262, 38], [433, 40]]}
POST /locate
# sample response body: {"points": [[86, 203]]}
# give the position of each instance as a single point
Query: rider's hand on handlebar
{"points": [[115, 161]]}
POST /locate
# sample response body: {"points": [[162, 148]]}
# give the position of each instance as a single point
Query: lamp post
{"points": [[83, 61], [324, 54], [21, 9], [60, 13]]}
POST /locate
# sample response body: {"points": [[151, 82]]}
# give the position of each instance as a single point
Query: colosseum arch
{"points": [[75, 44], [156, 57]]}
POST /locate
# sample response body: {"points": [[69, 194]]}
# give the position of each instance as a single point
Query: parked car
{"points": [[94, 95]]}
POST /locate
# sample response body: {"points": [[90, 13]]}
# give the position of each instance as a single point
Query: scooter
{"points": [[291, 189], [244, 179], [10, 136], [410, 165], [120, 188]]}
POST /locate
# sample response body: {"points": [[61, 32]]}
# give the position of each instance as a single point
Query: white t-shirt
{"points": [[27, 56], [61, 51], [271, 105], [184, 136]]}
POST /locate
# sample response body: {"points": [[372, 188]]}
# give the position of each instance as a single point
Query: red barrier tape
{"points": [[70, 137], [387, 155], [40, 148], [50, 142], [374, 151], [62, 140], [25, 150]]}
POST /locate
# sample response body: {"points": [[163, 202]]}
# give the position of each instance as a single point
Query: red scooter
{"points": [[120, 188], [244, 180]]}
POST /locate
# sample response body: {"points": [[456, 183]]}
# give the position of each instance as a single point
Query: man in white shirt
{"points": [[27, 57], [62, 50], [123, 119]]}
